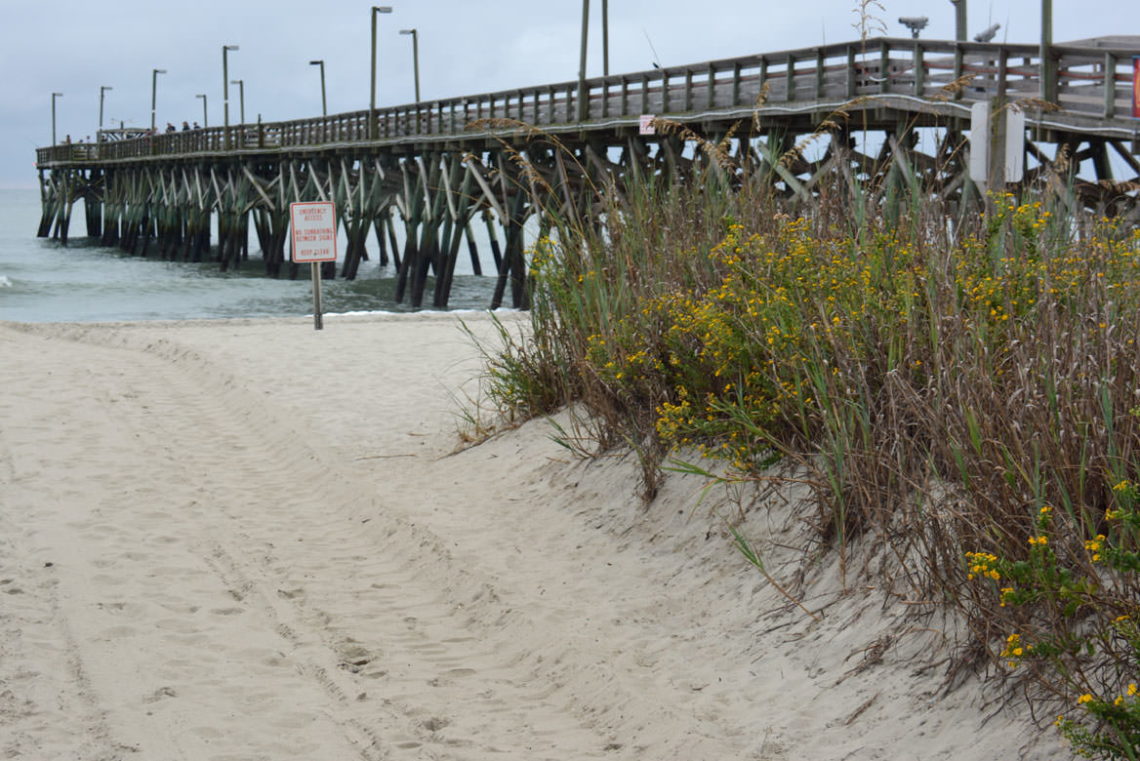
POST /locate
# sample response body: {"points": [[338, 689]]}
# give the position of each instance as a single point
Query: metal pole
{"points": [[315, 276], [225, 87], [226, 92], [415, 57], [102, 92], [54, 95], [372, 102], [583, 103], [324, 102], [606, 37], [154, 94], [960, 20], [205, 114], [416, 61], [241, 96], [1048, 85], [372, 97]]}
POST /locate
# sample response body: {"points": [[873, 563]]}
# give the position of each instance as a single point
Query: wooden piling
{"points": [[437, 168]]}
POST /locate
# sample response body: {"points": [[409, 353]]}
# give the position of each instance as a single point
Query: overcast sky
{"points": [[466, 47]]}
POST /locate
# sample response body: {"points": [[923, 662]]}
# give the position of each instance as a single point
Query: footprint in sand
{"points": [[227, 611], [161, 693]]}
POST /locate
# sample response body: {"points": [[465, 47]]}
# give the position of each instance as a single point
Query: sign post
{"points": [[312, 228]]}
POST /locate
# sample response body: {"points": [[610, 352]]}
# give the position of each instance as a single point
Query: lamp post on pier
{"points": [[415, 57], [154, 94], [102, 92], [205, 113], [372, 104], [605, 38], [226, 92], [1048, 73], [959, 20], [324, 102], [583, 104], [54, 95], [241, 96]]}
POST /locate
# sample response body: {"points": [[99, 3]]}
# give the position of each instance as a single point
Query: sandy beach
{"points": [[249, 540]]}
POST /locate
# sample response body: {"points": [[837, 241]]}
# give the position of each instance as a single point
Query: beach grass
{"points": [[962, 390]]}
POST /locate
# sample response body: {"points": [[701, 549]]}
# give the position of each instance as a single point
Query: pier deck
{"points": [[439, 163]]}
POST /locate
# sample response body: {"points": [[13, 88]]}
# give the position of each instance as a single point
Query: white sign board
{"points": [[312, 227], [1013, 158], [645, 124], [980, 142], [1014, 145]]}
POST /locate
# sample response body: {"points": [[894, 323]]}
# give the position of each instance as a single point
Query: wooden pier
{"points": [[439, 168]]}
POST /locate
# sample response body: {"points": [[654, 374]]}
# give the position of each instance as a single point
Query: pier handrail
{"points": [[1091, 82]]}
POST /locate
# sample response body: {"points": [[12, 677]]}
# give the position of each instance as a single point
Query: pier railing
{"points": [[1090, 82]]}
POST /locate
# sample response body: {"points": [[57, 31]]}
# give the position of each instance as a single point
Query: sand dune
{"points": [[251, 540]]}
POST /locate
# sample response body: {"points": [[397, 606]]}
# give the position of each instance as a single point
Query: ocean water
{"points": [[43, 281]]}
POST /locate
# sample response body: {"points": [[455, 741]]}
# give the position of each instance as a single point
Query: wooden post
{"points": [[473, 251], [959, 65], [884, 68], [919, 70], [393, 243], [496, 252], [851, 72], [819, 74], [1109, 85]]}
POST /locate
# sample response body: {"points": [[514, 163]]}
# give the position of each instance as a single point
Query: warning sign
{"points": [[312, 227]]}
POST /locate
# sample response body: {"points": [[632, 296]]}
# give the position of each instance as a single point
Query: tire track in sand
{"points": [[165, 663], [374, 603], [288, 563]]}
